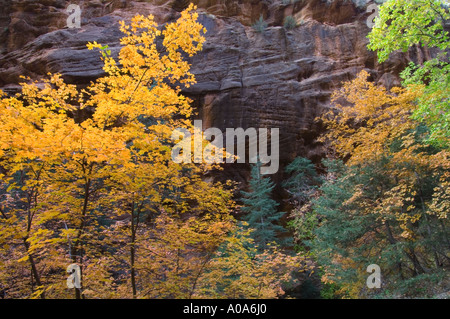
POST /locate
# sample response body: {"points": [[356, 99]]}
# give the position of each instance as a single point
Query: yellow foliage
{"points": [[367, 124], [102, 190]]}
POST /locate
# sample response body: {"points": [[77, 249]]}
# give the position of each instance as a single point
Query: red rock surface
{"points": [[277, 79]]}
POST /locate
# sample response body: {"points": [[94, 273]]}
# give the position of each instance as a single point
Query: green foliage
{"points": [[304, 224], [387, 204], [403, 24], [261, 209], [302, 186], [303, 181], [260, 25], [423, 284], [290, 23], [348, 239], [332, 291], [433, 104]]}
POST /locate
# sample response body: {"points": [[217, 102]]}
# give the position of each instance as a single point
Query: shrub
{"points": [[260, 25], [290, 22]]}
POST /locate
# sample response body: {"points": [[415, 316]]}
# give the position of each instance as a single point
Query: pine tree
{"points": [[302, 187], [261, 209], [303, 181]]}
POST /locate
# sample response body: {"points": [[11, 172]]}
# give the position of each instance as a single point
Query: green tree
{"points": [[351, 237], [303, 180], [262, 214], [260, 25], [302, 186], [403, 24]]}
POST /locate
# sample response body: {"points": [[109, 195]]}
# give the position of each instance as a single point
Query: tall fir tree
{"points": [[303, 181], [302, 186], [262, 214]]}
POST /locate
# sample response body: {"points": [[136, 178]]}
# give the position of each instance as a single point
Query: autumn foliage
{"points": [[385, 200], [87, 178]]}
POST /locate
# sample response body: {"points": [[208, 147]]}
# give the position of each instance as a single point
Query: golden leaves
{"points": [[92, 189], [371, 119], [370, 124], [440, 205]]}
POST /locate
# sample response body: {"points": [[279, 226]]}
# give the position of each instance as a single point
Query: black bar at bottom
{"points": [[168, 309]]}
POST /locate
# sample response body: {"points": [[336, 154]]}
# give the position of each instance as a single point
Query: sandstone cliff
{"points": [[278, 78]]}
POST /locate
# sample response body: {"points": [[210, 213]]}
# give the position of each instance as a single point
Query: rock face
{"points": [[276, 79]]}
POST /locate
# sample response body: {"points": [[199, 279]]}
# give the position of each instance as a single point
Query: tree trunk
{"points": [[134, 227], [76, 251], [34, 271], [132, 255], [133, 271]]}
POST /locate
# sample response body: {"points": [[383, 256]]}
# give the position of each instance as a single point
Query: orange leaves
{"points": [[440, 204], [239, 271], [88, 178], [185, 32], [372, 127], [141, 58], [173, 254], [370, 119]]}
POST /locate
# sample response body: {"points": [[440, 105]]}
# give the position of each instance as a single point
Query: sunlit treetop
{"points": [[403, 23]]}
